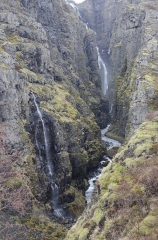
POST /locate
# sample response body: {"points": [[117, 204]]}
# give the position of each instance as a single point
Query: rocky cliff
{"points": [[126, 35], [50, 88], [126, 207]]}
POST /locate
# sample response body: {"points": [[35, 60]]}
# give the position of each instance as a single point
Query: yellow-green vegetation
{"points": [[3, 66], [113, 132], [57, 105], [118, 45], [19, 192], [127, 205], [41, 226], [77, 206]]}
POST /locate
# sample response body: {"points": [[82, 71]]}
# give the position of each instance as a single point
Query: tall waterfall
{"points": [[104, 84], [102, 67], [47, 161], [103, 73]]}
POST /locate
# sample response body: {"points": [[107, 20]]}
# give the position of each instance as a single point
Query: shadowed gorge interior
{"points": [[78, 119]]}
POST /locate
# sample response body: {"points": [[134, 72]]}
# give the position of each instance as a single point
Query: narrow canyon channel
{"points": [[93, 176]]}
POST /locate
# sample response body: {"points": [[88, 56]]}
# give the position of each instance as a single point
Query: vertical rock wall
{"points": [[47, 50], [127, 35]]}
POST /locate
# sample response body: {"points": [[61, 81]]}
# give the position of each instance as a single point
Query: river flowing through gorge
{"points": [[93, 176], [109, 143]]}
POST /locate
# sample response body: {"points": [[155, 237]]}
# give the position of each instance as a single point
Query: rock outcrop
{"points": [[46, 50], [126, 207], [127, 38]]}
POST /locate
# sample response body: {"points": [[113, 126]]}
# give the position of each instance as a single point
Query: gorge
{"points": [[53, 106]]}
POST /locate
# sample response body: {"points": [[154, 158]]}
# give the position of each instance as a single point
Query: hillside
{"points": [[51, 110], [127, 204]]}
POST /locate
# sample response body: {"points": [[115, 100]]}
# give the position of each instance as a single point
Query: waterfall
{"points": [[75, 8], [111, 143], [47, 162], [48, 158], [103, 73], [102, 67]]}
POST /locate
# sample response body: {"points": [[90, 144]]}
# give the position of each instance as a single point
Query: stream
{"points": [[93, 176], [42, 142], [109, 143]]}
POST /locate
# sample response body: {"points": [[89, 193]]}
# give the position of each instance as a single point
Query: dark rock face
{"points": [[122, 28], [47, 50], [128, 41]]}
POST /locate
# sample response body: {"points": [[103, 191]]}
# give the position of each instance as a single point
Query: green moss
{"points": [[108, 178], [3, 66], [112, 134], [97, 216], [153, 103], [77, 206], [83, 234], [29, 73], [14, 182], [13, 39], [43, 225]]}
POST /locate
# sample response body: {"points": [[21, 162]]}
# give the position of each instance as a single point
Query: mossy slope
{"points": [[126, 208]]}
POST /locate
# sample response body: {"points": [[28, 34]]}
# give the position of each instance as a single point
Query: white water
{"points": [[74, 7], [102, 67], [58, 211], [111, 143], [49, 166], [103, 72]]}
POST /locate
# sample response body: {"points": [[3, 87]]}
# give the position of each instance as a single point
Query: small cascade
{"points": [[103, 73], [96, 174], [77, 11], [58, 210], [46, 161], [109, 142], [75, 8]]}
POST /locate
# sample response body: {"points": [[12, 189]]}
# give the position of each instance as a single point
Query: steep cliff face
{"points": [[127, 203], [127, 37], [46, 52]]}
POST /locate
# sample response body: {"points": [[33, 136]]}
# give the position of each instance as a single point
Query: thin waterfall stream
{"points": [[103, 73], [47, 161], [49, 165]]}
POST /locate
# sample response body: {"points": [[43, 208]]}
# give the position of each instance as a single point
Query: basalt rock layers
{"points": [[128, 192], [47, 51]]}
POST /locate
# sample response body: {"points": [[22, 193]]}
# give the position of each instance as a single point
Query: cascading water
{"points": [[47, 161], [103, 73], [102, 67], [110, 143]]}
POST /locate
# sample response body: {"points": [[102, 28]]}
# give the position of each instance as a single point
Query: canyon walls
{"points": [[51, 109], [125, 207], [127, 38]]}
